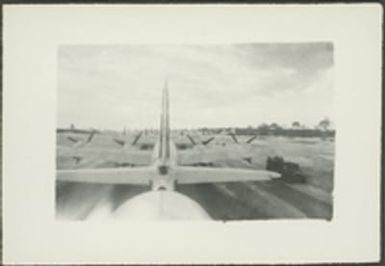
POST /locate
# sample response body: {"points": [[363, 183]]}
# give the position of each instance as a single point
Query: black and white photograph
{"points": [[221, 132], [192, 134]]}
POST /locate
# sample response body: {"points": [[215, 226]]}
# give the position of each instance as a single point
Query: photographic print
{"points": [[217, 132], [192, 134]]}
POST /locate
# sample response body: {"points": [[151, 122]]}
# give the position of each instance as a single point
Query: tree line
{"points": [[322, 129]]}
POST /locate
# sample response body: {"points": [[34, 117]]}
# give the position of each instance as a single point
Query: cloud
{"points": [[112, 86]]}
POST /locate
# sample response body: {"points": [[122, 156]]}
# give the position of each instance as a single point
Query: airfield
{"points": [[273, 199]]}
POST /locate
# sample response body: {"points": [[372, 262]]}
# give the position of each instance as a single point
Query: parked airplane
{"points": [[235, 139], [77, 143], [163, 202], [82, 142], [202, 143], [125, 143]]}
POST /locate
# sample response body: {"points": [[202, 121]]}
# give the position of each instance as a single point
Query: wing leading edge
{"points": [[181, 175], [199, 175], [135, 176]]}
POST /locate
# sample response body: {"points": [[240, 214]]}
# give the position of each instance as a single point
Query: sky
{"points": [[117, 86]]}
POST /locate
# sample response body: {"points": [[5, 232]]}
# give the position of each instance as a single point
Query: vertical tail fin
{"points": [[164, 141]]}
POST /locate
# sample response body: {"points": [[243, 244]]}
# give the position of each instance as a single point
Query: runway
{"points": [[235, 201], [275, 199]]}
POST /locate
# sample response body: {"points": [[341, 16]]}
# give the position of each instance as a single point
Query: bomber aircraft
{"points": [[164, 173]]}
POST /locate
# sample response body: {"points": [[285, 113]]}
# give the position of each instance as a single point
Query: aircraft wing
{"points": [[135, 176], [137, 158], [197, 175]]}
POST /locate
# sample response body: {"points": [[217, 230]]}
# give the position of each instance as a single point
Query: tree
{"points": [[274, 126], [295, 125], [324, 124], [263, 128]]}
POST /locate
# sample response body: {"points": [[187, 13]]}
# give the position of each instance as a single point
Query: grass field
{"points": [[274, 199]]}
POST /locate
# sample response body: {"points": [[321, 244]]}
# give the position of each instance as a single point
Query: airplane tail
{"points": [[179, 174], [164, 136]]}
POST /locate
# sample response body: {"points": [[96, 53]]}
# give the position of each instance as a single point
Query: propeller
{"points": [[120, 142], [234, 137], [137, 138], [191, 139], [91, 136], [251, 139], [205, 142], [74, 140]]}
